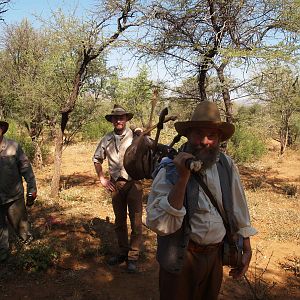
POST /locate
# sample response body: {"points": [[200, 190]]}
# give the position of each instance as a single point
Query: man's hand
{"points": [[180, 163], [30, 198], [107, 184], [238, 273]]}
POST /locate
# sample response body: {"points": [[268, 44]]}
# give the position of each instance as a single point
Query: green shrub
{"points": [[38, 258], [95, 130], [25, 141], [246, 145]]}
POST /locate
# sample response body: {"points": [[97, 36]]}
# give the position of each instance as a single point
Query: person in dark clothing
{"points": [[14, 166]]}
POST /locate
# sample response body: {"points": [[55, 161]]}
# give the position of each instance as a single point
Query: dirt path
{"points": [[76, 232]]}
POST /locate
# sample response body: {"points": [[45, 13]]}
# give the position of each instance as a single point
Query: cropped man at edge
{"points": [[182, 215], [14, 165], [125, 192]]}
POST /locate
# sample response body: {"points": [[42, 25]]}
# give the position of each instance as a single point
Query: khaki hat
{"points": [[206, 115], [118, 111], [4, 125]]}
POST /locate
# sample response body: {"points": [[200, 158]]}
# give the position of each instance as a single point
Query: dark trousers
{"points": [[128, 194], [200, 278], [16, 214]]}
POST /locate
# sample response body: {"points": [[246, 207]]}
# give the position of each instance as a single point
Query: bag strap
{"points": [[225, 175], [211, 198]]}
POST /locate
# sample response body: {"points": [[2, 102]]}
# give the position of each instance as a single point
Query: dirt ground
{"points": [[74, 237]]}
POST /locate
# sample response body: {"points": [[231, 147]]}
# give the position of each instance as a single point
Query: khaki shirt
{"points": [[113, 147], [14, 165], [206, 223]]}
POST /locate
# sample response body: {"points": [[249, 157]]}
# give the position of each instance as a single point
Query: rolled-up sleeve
{"points": [[162, 218], [100, 154], [240, 206]]}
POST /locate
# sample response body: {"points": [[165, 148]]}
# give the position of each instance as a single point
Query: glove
{"points": [[30, 197]]}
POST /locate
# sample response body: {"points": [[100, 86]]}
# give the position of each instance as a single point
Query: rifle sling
{"points": [[211, 197]]}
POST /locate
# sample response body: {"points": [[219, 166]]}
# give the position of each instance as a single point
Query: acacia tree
{"points": [[279, 89], [24, 51], [92, 44], [3, 9], [137, 94], [193, 37]]}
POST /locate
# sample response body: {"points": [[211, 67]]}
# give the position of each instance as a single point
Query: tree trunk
{"points": [[225, 93], [153, 105], [283, 141], [284, 132], [202, 71], [34, 129], [88, 54], [57, 163], [290, 139], [38, 157]]}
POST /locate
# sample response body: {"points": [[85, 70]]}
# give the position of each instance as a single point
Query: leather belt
{"points": [[197, 248]]}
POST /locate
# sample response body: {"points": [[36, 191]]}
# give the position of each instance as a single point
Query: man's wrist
{"points": [[246, 245]]}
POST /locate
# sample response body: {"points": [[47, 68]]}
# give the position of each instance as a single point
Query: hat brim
{"points": [[4, 125], [226, 129], [129, 116]]}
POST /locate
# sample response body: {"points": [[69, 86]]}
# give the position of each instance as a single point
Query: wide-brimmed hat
{"points": [[4, 125], [118, 111], [206, 115]]}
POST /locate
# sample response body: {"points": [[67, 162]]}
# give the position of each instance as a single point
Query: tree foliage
{"points": [[278, 88], [136, 94], [87, 47], [49, 72], [196, 38]]}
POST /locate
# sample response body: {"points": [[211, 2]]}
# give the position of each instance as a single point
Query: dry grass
{"points": [[275, 215]]}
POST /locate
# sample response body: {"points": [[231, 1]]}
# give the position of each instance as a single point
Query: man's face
{"points": [[204, 144], [119, 123]]}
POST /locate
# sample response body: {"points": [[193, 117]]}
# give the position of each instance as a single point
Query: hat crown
{"points": [[118, 109], [206, 111], [206, 115]]}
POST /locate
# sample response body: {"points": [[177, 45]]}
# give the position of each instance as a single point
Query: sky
{"points": [[20, 9]]}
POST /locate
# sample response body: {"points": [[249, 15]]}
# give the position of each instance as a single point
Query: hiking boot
{"points": [[116, 260], [131, 266]]}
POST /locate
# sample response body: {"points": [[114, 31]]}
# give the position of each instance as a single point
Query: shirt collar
{"points": [[121, 135]]}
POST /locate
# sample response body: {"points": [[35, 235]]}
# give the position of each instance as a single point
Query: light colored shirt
{"points": [[206, 223], [113, 146]]}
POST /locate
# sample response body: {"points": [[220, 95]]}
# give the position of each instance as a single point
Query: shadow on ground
{"points": [[263, 179], [67, 260]]}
